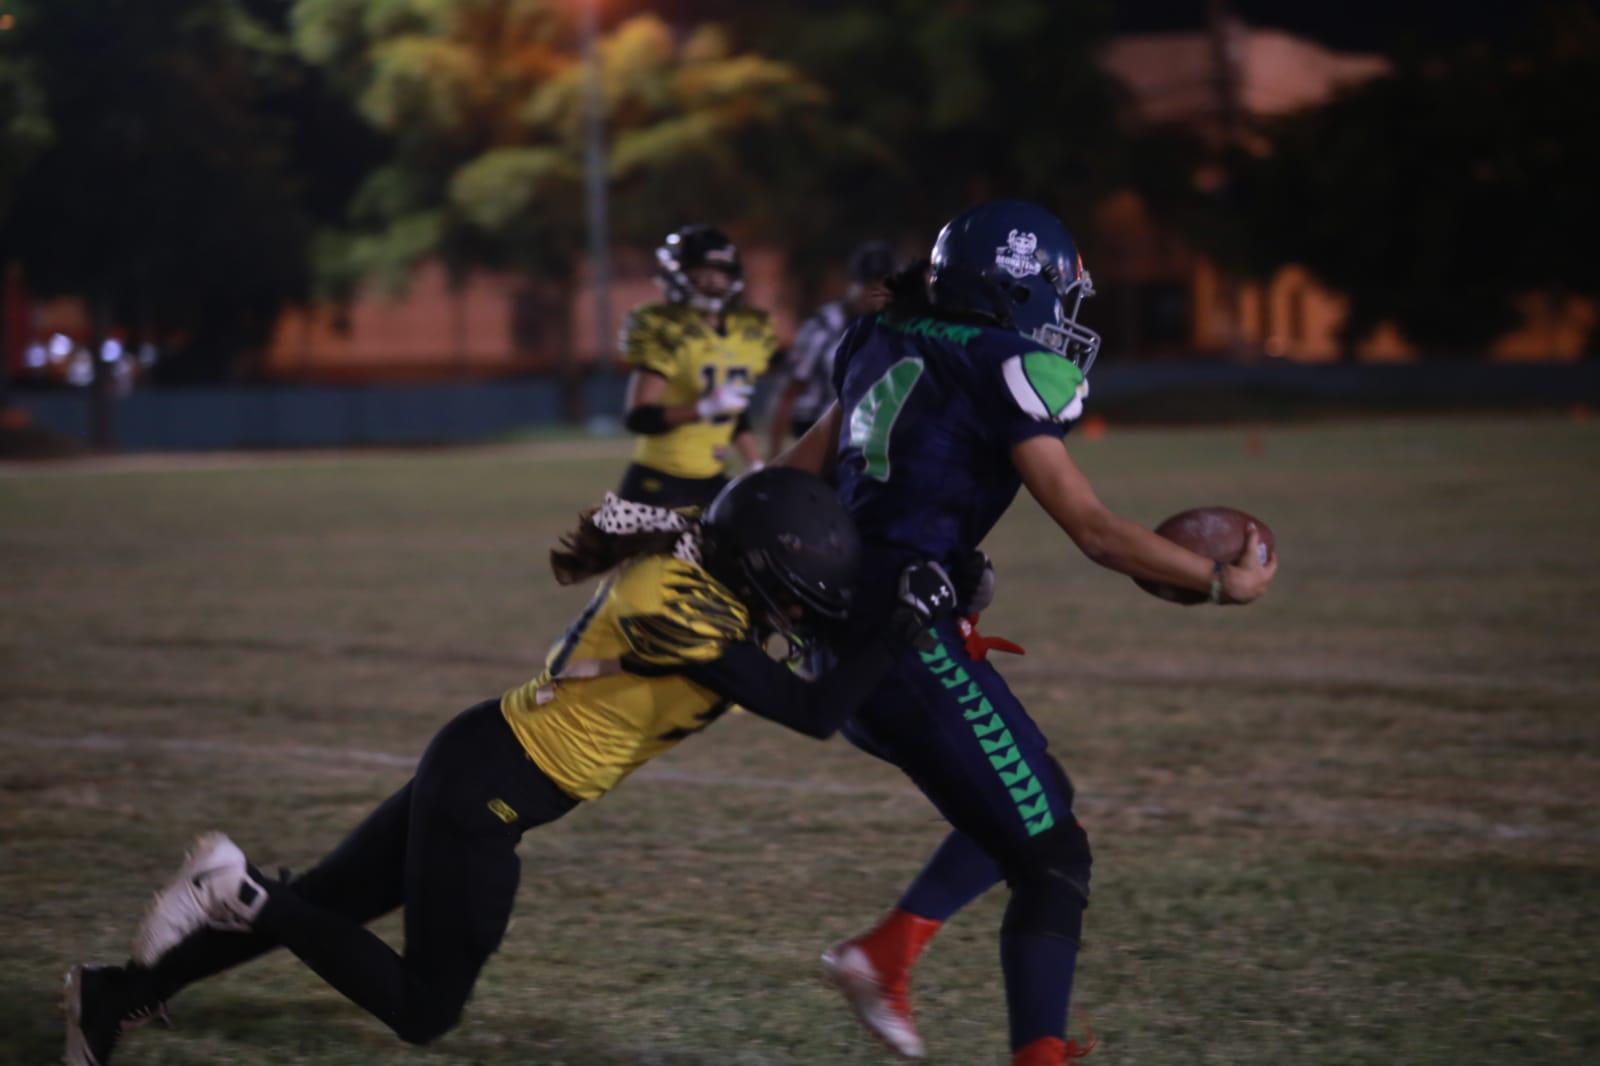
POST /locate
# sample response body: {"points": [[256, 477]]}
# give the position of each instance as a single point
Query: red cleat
{"points": [[1053, 1051], [873, 973]]}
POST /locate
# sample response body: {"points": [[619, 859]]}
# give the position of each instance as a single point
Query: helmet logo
{"points": [[1017, 257], [721, 255]]}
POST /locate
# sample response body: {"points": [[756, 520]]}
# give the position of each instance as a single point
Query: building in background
{"points": [[493, 326], [1162, 298]]}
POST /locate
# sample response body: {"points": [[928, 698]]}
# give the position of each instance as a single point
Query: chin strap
{"points": [[979, 646]]}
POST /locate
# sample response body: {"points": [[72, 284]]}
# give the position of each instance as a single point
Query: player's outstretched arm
{"points": [[743, 673], [1118, 544], [815, 452], [782, 415]]}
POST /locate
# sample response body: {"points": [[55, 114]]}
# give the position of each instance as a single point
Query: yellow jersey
{"points": [[675, 341], [588, 723]]}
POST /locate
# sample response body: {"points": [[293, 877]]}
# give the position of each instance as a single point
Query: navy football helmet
{"points": [[696, 246], [1014, 264]]}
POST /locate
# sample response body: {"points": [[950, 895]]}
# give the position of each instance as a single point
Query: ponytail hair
{"points": [[909, 298], [908, 292], [613, 533]]}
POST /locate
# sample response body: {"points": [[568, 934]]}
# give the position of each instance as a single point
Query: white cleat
{"points": [[212, 889], [884, 1012]]}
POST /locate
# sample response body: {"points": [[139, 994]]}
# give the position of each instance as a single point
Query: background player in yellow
{"points": [[695, 357], [672, 637]]}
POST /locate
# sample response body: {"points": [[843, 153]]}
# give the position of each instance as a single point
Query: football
{"points": [[1215, 532]]}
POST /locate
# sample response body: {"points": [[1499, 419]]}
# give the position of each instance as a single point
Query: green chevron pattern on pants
{"points": [[1033, 803]]}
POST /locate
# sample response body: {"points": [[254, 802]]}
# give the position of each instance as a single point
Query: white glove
{"points": [[729, 398]]}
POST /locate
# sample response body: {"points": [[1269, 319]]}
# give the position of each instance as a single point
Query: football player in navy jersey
{"points": [[950, 401]]}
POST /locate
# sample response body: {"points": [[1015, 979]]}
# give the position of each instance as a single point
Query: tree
{"points": [[25, 131], [163, 200], [483, 103], [25, 128], [939, 103]]}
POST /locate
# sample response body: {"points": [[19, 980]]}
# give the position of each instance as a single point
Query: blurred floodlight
{"points": [[111, 350], [35, 356], [60, 346]]}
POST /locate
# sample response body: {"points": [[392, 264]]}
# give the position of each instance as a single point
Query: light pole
{"points": [[594, 154]]}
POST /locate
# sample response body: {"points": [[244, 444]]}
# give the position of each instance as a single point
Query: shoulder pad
{"points": [[650, 335], [752, 323], [1046, 386], [672, 612]]}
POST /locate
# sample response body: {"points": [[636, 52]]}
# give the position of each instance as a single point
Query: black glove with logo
{"points": [[926, 595]]}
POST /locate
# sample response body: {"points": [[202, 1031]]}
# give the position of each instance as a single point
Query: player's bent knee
{"points": [[1050, 884], [425, 1024]]}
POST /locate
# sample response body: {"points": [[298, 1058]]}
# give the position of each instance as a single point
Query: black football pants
{"points": [[443, 847]]}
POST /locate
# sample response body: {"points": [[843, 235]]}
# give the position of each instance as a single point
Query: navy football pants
{"points": [[953, 726]]}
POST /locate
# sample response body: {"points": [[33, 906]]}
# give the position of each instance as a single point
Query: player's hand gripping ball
{"points": [[1218, 533]]}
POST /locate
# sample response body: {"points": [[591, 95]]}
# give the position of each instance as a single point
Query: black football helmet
{"points": [[696, 246], [783, 543], [871, 262]]}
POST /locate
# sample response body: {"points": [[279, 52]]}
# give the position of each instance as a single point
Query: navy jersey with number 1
{"points": [[930, 412]]}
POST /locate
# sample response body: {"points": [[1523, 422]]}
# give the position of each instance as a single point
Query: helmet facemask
{"points": [[784, 606], [1066, 336], [673, 275]]}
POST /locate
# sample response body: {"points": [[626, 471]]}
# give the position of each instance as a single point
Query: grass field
{"points": [[1354, 824]]}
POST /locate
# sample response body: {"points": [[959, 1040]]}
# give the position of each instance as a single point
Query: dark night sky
{"points": [[1357, 25]]}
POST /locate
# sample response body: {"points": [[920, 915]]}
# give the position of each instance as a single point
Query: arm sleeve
{"points": [[647, 420], [747, 676]]}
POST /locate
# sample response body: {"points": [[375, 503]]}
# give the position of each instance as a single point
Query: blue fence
{"points": [[227, 417]]}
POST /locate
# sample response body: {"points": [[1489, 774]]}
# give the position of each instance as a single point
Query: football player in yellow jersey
{"points": [[695, 357], [672, 637]]}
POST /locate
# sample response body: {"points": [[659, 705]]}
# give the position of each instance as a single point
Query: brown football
{"points": [[1215, 532]]}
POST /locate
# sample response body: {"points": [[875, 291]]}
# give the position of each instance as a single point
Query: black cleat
{"points": [[99, 1005]]}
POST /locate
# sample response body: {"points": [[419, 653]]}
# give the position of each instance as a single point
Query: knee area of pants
{"points": [[427, 1026], [1049, 903], [1061, 852]]}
